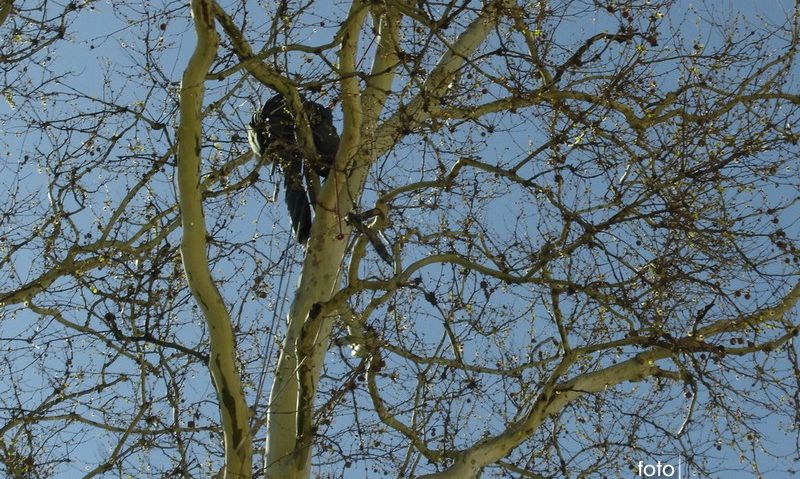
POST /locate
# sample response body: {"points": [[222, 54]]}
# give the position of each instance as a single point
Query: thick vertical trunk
{"points": [[291, 402], [222, 357], [288, 450], [291, 405]]}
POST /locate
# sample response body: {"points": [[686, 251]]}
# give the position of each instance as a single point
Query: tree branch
{"points": [[222, 359]]}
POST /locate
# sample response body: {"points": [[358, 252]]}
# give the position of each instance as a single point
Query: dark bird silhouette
{"points": [[272, 132]]}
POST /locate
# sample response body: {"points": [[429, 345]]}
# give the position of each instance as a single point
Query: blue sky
{"points": [[99, 46]]}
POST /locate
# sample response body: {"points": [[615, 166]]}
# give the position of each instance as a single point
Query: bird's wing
{"points": [[326, 138]]}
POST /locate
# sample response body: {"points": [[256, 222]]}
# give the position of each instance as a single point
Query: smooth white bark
{"points": [[222, 364]]}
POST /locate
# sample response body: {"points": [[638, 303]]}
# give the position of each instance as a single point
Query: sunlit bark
{"points": [[234, 412]]}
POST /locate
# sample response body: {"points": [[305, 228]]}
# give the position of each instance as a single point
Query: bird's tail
{"points": [[297, 201]]}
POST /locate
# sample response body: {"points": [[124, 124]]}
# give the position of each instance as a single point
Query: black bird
{"points": [[272, 132]]}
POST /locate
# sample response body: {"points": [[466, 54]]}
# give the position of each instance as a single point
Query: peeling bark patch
{"points": [[316, 308], [205, 12], [229, 404], [199, 297]]}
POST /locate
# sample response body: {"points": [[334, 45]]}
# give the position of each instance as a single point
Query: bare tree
{"points": [[559, 239]]}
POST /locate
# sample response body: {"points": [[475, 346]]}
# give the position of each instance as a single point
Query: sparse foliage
{"points": [[558, 238]]}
